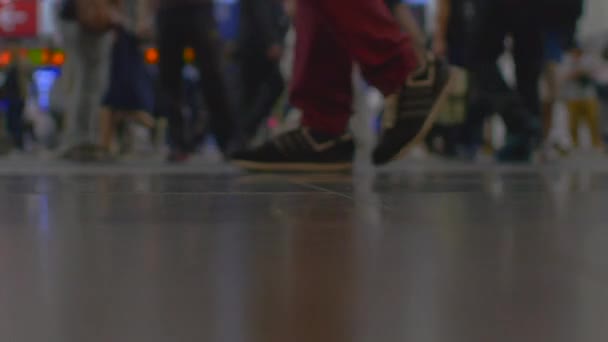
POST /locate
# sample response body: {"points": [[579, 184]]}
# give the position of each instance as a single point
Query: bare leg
{"points": [[409, 24], [574, 115], [548, 105], [593, 114], [143, 118], [108, 128]]}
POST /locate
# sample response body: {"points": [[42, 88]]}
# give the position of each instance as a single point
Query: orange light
{"points": [[152, 56], [45, 57], [5, 58], [189, 55], [58, 58]]}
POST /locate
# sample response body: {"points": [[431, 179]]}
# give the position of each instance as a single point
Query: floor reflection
{"points": [[451, 256]]}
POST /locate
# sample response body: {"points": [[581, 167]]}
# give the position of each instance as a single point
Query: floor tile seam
{"points": [[382, 203], [159, 194]]}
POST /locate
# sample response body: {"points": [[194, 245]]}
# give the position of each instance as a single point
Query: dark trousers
{"points": [[498, 20], [14, 122], [195, 27], [262, 85]]}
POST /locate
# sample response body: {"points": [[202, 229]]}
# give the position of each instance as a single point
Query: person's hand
{"points": [[440, 47], [275, 52]]}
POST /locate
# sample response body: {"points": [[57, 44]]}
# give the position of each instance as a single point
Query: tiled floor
{"points": [[441, 253]]}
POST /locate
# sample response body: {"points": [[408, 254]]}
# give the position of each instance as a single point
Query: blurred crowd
{"points": [[517, 60]]}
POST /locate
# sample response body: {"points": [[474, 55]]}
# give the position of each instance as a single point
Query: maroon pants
{"points": [[331, 35]]}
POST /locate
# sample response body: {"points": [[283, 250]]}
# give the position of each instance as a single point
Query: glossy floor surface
{"points": [[445, 254]]}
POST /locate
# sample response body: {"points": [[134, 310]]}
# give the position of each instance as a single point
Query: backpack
{"points": [[96, 16]]}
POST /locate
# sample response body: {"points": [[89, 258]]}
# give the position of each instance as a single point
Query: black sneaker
{"points": [[298, 151], [409, 114]]}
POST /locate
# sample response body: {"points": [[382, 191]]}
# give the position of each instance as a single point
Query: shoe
{"points": [[178, 157], [299, 150], [409, 114], [552, 151], [86, 153], [517, 150]]}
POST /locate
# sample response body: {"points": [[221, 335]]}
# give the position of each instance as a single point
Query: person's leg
{"points": [[321, 82], [250, 76], [108, 129], [171, 47], [593, 119], [331, 36], [486, 81], [205, 40], [91, 69], [322, 89], [548, 105], [269, 87], [410, 24], [15, 124], [574, 120], [141, 117], [370, 34], [65, 92], [528, 57], [555, 42]]}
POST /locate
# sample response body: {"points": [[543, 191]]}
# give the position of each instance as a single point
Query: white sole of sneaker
{"points": [[431, 118], [292, 167]]}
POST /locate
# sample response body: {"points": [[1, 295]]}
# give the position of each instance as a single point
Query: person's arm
{"points": [[440, 45]]}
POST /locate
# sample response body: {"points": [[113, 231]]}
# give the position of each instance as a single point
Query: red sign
{"points": [[18, 18]]}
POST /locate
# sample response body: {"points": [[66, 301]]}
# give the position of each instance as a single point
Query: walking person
{"points": [[560, 21], [15, 92], [455, 28], [182, 24], [578, 84], [86, 26], [130, 93], [519, 20], [331, 35]]}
